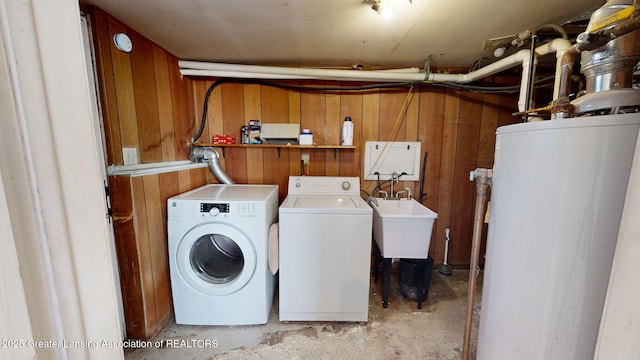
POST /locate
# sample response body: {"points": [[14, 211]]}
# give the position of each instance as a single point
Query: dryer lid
{"points": [[228, 192]]}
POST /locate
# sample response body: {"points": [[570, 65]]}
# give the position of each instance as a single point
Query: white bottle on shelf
{"points": [[347, 132]]}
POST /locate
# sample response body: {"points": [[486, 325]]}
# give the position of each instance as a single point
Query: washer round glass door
{"points": [[216, 258]]}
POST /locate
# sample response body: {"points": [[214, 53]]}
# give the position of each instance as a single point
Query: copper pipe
{"points": [[566, 71], [482, 178]]}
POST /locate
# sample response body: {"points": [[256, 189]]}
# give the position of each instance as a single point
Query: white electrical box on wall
{"points": [[130, 156], [387, 157]]}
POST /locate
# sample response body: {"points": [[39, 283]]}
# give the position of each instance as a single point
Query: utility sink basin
{"points": [[402, 228]]}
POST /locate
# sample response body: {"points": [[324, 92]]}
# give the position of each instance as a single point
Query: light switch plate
{"points": [[130, 156]]}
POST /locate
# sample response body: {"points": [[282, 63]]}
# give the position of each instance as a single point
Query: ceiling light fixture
{"points": [[381, 8]]}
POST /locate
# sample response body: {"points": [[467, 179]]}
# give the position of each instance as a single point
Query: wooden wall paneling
{"points": [[159, 256], [199, 91], [295, 168], [198, 177], [370, 125], [193, 120], [276, 171], [214, 109], [235, 164], [274, 104], [253, 110], [183, 124], [447, 166], [430, 131], [108, 95], [411, 131], [392, 115], [313, 116], [463, 198], [184, 181], [486, 148], [214, 123], [165, 105], [351, 103], [331, 131], [145, 90], [144, 255], [123, 78], [168, 185], [508, 106], [232, 96], [393, 120], [127, 253], [275, 109], [487, 142]]}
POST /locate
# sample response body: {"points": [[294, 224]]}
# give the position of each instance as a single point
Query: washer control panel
{"points": [[324, 185]]}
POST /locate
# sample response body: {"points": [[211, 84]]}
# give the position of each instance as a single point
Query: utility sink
{"points": [[402, 228]]}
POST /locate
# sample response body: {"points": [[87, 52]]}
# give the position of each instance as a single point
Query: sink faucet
{"points": [[394, 177], [406, 190]]}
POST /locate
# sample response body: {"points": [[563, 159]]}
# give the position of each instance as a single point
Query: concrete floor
{"points": [[400, 331]]}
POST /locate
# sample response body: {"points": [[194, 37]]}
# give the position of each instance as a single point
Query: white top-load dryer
{"points": [[325, 250]]}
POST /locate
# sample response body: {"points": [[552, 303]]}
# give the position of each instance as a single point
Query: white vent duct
{"points": [[210, 155]]}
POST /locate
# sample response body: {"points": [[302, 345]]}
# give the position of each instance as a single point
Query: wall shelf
{"points": [[335, 148]]}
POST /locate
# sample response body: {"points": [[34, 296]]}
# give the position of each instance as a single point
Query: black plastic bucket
{"points": [[409, 271]]}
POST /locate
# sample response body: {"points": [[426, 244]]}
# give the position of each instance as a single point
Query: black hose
{"points": [[473, 88], [424, 168]]}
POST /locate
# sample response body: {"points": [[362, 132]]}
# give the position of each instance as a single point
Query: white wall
{"points": [[50, 195]]}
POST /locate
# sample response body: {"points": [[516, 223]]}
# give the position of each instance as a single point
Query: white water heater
{"points": [[556, 202]]}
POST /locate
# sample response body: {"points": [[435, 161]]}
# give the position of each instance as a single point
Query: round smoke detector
{"points": [[122, 42]]}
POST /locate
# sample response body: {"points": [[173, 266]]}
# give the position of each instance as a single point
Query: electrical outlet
{"points": [[305, 157], [130, 156]]}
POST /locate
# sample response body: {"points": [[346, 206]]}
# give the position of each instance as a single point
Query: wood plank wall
{"points": [[141, 231], [456, 129], [145, 105], [148, 105], [145, 101]]}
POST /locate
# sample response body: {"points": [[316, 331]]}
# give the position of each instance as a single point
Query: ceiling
{"points": [[338, 33]]}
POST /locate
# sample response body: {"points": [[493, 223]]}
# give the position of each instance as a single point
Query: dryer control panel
{"points": [[214, 208]]}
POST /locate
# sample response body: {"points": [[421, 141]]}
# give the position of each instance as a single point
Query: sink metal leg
{"points": [[386, 278], [421, 269]]}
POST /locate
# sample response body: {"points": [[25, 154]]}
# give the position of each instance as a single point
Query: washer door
{"points": [[216, 259]]}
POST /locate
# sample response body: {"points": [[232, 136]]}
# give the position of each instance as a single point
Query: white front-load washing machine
{"points": [[218, 238]]}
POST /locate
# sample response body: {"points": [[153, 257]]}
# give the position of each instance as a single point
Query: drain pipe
{"points": [[210, 155], [482, 177]]}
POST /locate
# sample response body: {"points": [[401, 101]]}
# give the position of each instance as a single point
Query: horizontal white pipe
{"points": [[553, 46], [196, 68], [242, 75], [279, 72], [493, 68], [153, 168], [406, 70]]}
